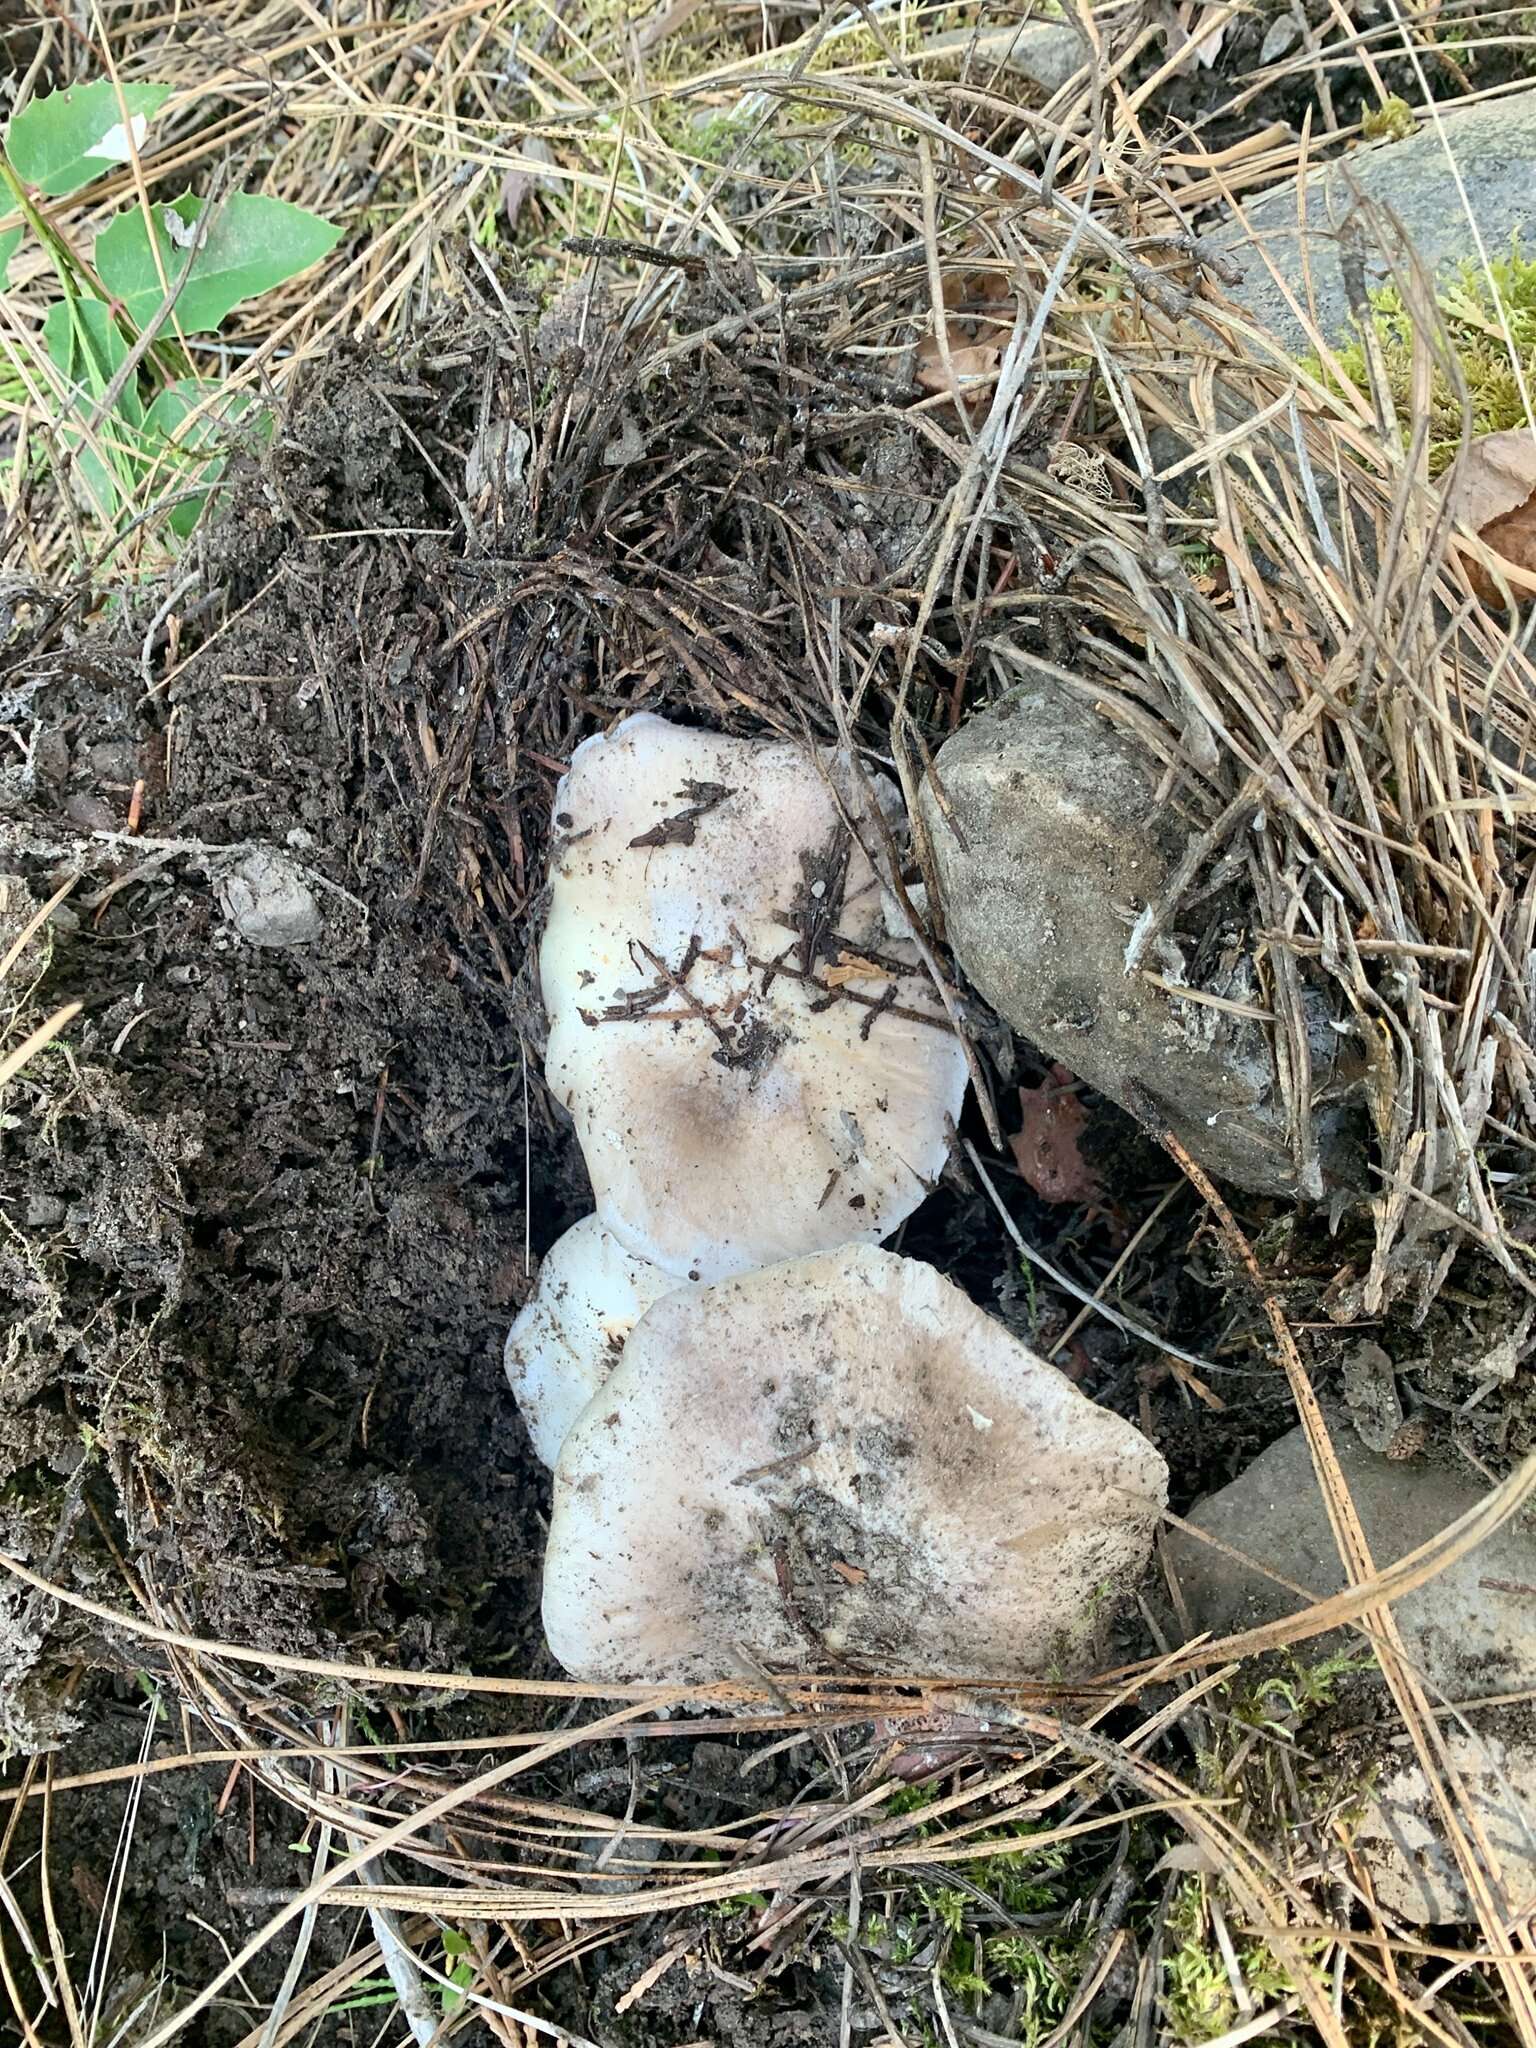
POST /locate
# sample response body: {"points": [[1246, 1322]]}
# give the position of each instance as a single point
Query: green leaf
{"points": [[9, 244], [172, 407], [196, 449], [82, 338], [65, 139], [251, 245], [460, 1977], [84, 341]]}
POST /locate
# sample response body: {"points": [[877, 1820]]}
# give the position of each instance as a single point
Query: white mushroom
{"points": [[840, 1460], [570, 1332], [754, 1067]]}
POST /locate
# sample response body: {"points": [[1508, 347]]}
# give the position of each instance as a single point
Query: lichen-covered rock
{"points": [[842, 1461], [1490, 148], [1049, 842], [1470, 1633], [1401, 1836]]}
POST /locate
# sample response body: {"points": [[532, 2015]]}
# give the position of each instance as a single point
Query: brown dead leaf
{"points": [[851, 1574], [525, 177], [1492, 490], [971, 368], [1046, 1146], [978, 306]]}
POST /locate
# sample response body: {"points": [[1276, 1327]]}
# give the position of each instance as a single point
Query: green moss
{"points": [[1197, 1989], [1284, 1699], [948, 1921], [1476, 307], [1391, 121]]}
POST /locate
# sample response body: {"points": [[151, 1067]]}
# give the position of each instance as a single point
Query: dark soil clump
{"points": [[276, 1205], [269, 1216]]}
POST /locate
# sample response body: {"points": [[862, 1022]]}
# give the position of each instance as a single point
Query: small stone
{"points": [[1280, 38], [1370, 1393], [268, 901], [1402, 1837], [51, 757], [615, 1865]]}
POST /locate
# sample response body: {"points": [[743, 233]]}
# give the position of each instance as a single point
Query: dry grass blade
{"points": [[11, 1063], [379, 1844]]}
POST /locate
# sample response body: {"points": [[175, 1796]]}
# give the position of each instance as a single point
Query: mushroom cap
{"points": [[754, 1067], [569, 1334], [840, 1459]]}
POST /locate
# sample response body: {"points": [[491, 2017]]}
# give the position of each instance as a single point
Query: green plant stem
{"points": [[71, 268], [76, 276]]}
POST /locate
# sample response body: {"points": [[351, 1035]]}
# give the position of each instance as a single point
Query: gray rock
{"points": [[267, 900], [1047, 53], [1470, 1632], [1056, 845], [1465, 1631], [1494, 147], [1402, 1839]]}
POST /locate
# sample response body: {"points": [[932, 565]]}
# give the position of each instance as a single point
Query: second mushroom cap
{"points": [[570, 1333], [840, 1460]]}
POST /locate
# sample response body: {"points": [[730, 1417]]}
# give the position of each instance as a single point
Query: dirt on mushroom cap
{"points": [[755, 1068]]}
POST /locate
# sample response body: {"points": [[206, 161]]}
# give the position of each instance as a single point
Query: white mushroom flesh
{"points": [[570, 1333]]}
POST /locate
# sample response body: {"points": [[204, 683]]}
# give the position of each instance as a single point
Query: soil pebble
{"points": [[268, 901]]}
